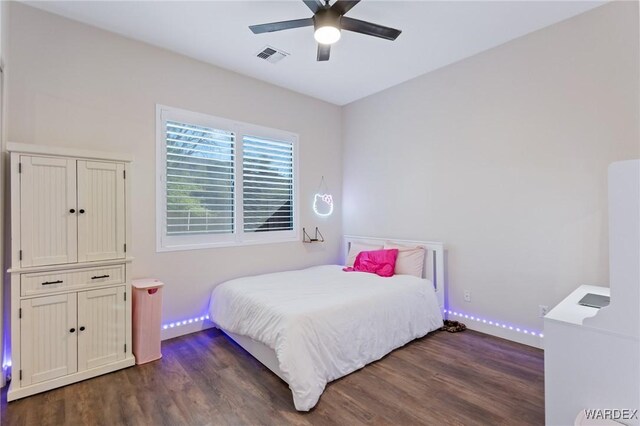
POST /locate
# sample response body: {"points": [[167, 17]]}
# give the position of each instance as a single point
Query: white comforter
{"points": [[324, 323]]}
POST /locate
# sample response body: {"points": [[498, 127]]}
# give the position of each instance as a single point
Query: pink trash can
{"points": [[147, 318]]}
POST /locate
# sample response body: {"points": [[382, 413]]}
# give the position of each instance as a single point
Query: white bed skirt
{"points": [[323, 323]]}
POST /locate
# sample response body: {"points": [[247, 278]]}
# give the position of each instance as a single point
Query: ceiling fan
{"points": [[328, 21]]}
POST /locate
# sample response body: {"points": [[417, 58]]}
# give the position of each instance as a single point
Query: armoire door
{"points": [[48, 221], [101, 327], [48, 338], [101, 210]]}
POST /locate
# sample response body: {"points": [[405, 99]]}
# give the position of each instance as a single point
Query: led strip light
{"points": [[460, 315], [494, 323], [185, 322], [7, 364]]}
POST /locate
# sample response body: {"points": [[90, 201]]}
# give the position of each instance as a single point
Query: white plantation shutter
{"points": [[222, 182], [267, 185], [199, 180]]}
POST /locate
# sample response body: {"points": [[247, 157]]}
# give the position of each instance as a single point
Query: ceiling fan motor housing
{"points": [[327, 18]]}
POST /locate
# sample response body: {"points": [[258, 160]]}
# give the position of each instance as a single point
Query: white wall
{"points": [[73, 85], [503, 157]]}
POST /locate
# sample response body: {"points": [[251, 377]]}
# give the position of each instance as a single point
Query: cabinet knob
{"points": [[81, 211], [72, 210], [82, 328], [73, 330]]}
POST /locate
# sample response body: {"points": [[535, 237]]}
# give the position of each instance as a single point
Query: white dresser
{"points": [[592, 356], [70, 273]]}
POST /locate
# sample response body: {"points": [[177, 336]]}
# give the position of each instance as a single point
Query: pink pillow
{"points": [[380, 262]]}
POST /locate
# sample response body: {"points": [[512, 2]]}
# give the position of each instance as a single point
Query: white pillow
{"points": [[356, 248], [410, 259]]}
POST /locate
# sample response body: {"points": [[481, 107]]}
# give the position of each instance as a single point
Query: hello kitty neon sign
{"points": [[323, 200]]}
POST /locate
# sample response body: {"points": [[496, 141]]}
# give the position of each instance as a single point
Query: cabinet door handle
{"points": [[73, 330], [81, 211], [82, 328], [52, 282], [72, 210], [99, 276]]}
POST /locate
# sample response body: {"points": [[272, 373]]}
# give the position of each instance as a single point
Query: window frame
{"points": [[239, 129]]}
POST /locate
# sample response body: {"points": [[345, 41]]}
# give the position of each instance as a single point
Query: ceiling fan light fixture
{"points": [[327, 34], [328, 21]]}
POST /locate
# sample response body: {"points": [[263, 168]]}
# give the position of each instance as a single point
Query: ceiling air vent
{"points": [[271, 54]]}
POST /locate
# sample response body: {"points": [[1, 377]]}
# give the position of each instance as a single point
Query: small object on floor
{"points": [[453, 326]]}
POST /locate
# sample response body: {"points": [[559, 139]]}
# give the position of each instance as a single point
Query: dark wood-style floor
{"points": [[205, 379]]}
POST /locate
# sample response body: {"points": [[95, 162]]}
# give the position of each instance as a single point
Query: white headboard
{"points": [[434, 260]]}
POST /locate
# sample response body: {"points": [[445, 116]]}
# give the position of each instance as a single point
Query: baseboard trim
{"points": [[501, 331]]}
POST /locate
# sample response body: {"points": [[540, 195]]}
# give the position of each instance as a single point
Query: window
{"points": [[199, 180], [223, 183], [267, 177]]}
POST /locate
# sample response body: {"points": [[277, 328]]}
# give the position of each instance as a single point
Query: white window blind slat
{"points": [[195, 141], [189, 177], [276, 153], [216, 198], [264, 166], [224, 160], [183, 162], [204, 172], [272, 228], [205, 208], [205, 231], [195, 153], [211, 192], [268, 177], [258, 141], [222, 219], [188, 183], [274, 159], [259, 190], [187, 128]]}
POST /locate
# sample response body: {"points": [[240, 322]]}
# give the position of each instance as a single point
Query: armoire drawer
{"points": [[70, 279]]}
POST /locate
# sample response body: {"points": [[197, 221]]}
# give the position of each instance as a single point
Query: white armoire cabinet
{"points": [[70, 279]]}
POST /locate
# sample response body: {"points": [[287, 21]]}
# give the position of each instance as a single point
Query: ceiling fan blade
{"points": [[343, 6], [323, 52], [314, 5], [279, 26], [369, 28]]}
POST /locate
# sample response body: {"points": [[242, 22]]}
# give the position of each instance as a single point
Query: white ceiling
{"points": [[434, 34]]}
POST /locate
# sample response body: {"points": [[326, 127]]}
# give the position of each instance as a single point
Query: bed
{"points": [[316, 325]]}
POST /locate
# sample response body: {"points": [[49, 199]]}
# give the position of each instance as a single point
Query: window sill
{"points": [[227, 244]]}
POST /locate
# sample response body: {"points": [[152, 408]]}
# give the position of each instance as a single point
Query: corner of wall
{"points": [[3, 202]]}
